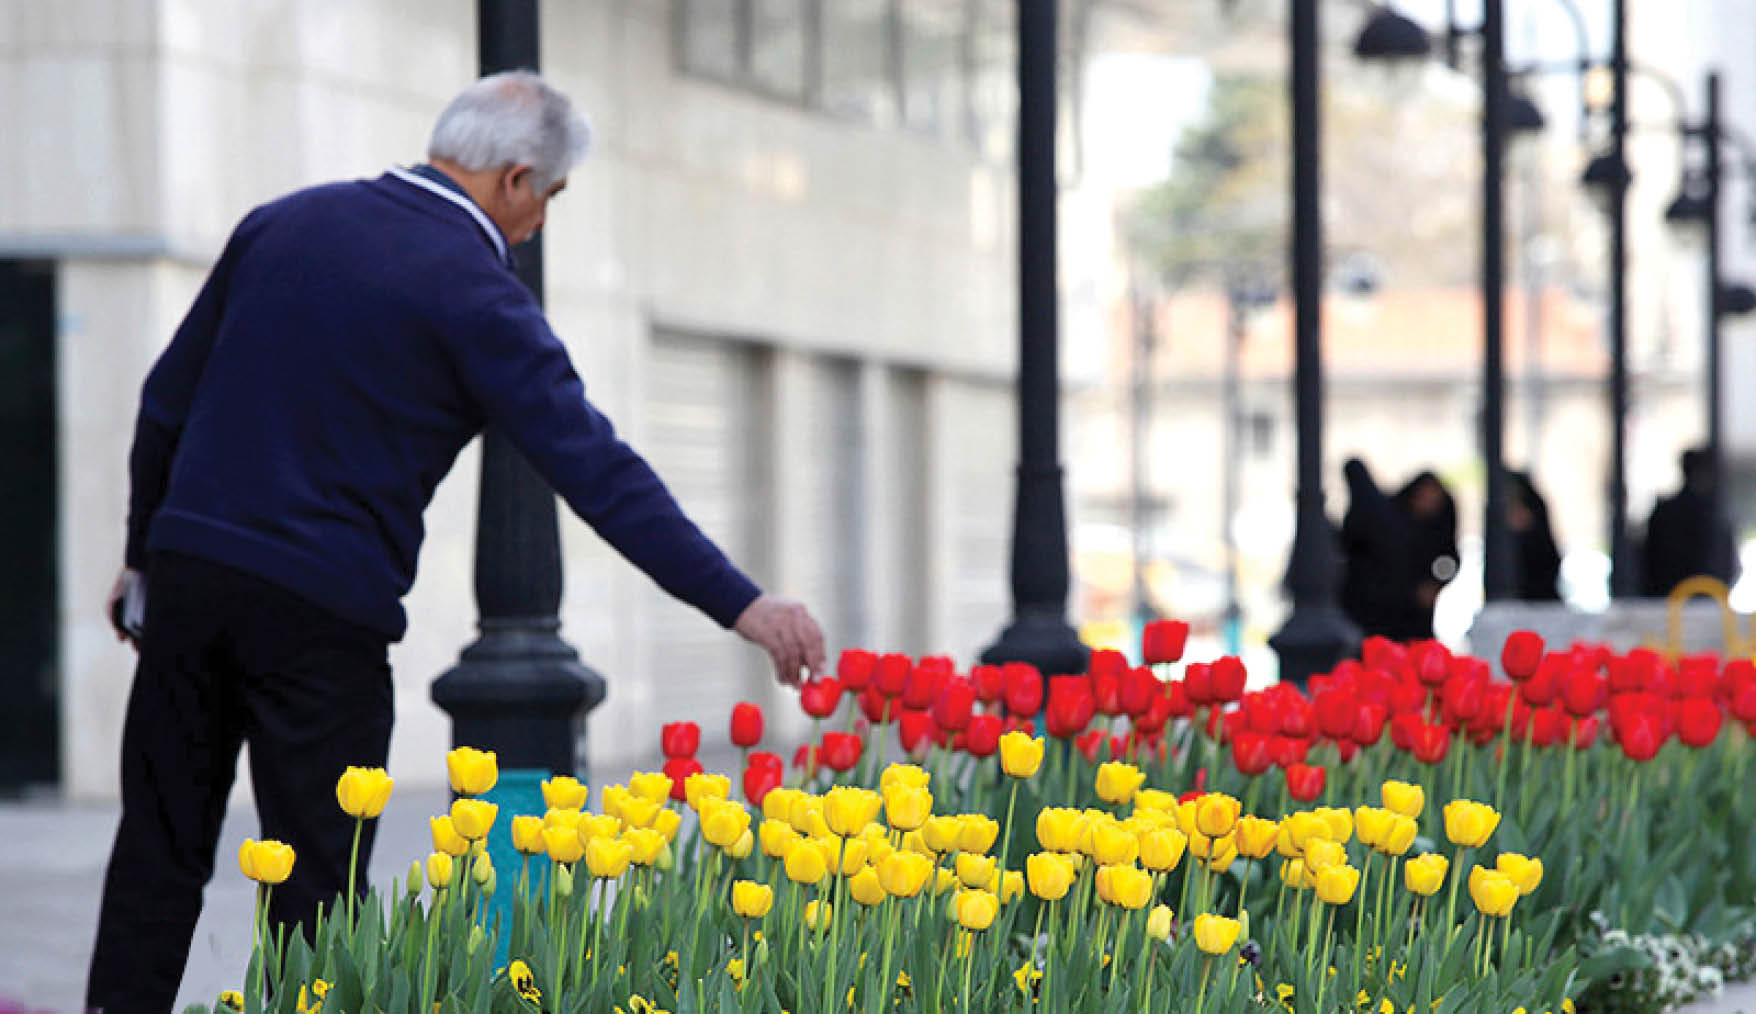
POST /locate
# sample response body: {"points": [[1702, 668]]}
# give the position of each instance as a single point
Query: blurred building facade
{"points": [[785, 271]]}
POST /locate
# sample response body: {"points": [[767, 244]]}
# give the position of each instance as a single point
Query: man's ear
{"points": [[512, 177]]}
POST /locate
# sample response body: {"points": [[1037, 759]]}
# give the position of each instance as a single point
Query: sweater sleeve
{"points": [[517, 370], [167, 395]]}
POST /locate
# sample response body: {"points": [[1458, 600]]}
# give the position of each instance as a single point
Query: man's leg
{"points": [[179, 751], [319, 696]]}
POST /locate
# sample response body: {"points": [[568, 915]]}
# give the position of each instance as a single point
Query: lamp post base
{"points": [[521, 691], [1313, 640], [1042, 638]]}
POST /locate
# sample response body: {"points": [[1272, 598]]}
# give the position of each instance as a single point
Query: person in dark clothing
{"points": [[1534, 552], [1687, 535], [1400, 551], [348, 343]]}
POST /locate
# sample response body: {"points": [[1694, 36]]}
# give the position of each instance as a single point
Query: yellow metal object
{"points": [[1707, 587]]}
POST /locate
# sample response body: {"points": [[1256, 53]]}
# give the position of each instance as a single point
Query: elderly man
{"points": [[351, 339]]}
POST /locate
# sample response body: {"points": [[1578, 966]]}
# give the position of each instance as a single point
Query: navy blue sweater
{"points": [[351, 339]]}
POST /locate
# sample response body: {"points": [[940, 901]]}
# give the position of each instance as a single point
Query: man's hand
{"points": [[784, 628], [117, 601]]}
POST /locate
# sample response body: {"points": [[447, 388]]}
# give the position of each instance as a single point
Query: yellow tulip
{"points": [[1155, 800], [666, 822], [1339, 821], [776, 837], [1059, 829], [974, 869], [1321, 853], [976, 832], [1215, 934], [1294, 875], [1117, 782], [805, 863], [471, 771], [1403, 798], [907, 808], [1399, 837], [806, 815], [568, 819], [1425, 873], [647, 844], [362, 792], [976, 909], [527, 835], [817, 914], [1185, 814], [751, 900], [1255, 836], [1524, 872], [607, 858], [564, 792], [702, 785], [911, 776], [1216, 813], [1162, 849], [723, 823], [472, 818], [1296, 831], [903, 874], [945, 880], [266, 862], [1129, 886], [1020, 754], [778, 804], [1011, 886], [848, 810], [866, 888], [1370, 822], [1469, 823], [640, 812], [1112, 844], [1158, 922], [439, 870], [1050, 875], [878, 850], [653, 785], [446, 839], [611, 799], [1221, 854], [1494, 893], [1336, 884], [563, 844], [742, 848], [852, 854]]}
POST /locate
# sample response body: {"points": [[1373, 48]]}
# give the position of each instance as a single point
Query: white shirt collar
{"points": [[488, 227]]}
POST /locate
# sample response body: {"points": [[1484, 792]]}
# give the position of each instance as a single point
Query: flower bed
{"points": [[1412, 835]]}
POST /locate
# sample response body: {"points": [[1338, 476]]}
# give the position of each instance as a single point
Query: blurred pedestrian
{"points": [[1687, 534], [1534, 553], [1400, 550], [348, 343]]}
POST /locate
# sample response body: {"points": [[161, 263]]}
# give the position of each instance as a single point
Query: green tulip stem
{"points": [[830, 922], [433, 915], [969, 959], [1505, 936], [1201, 996], [886, 985], [1048, 949], [1297, 920], [1506, 744], [1456, 768], [353, 862], [1360, 920], [597, 925], [1567, 774], [1121, 941], [1314, 920], [1323, 965], [1006, 832], [1243, 889], [1417, 913], [1451, 895]]}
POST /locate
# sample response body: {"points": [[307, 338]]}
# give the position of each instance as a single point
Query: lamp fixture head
{"points": [[1389, 35]]}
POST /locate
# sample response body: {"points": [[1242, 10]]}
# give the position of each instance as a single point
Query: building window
{"points": [[933, 63], [860, 60], [778, 46], [711, 38], [1260, 429]]}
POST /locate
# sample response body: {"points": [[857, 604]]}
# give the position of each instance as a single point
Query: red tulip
{"points": [[1094, 743], [1460, 699], [921, 684], [1251, 753], [1698, 675], [806, 758], [989, 681], [1544, 684], [1698, 721], [820, 697], [892, 674], [879, 708], [1547, 726], [1743, 703], [855, 668], [917, 731], [1198, 682], [1431, 743], [678, 770], [1106, 690], [1521, 654], [982, 737], [1640, 736], [1106, 662], [1261, 712], [1584, 732], [1582, 692], [1024, 689], [680, 739], [1368, 724], [1305, 781], [954, 703], [1163, 641], [746, 724], [1139, 689], [1739, 673], [1288, 750], [1430, 661], [1346, 749], [1297, 718], [840, 750], [1383, 654], [1408, 697], [1228, 678], [1071, 706], [1178, 694], [1336, 711], [762, 775], [1157, 714]]}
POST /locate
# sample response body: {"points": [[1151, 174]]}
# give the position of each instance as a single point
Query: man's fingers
{"points": [[814, 653]]}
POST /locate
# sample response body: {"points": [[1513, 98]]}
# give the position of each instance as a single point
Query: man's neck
{"points": [[478, 185]]}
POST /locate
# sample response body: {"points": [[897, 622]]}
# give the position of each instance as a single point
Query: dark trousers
{"points": [[227, 658]]}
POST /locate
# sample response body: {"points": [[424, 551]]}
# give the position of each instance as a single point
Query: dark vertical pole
{"points": [[1496, 547], [519, 689], [1714, 450], [1039, 633], [1621, 564], [1316, 635]]}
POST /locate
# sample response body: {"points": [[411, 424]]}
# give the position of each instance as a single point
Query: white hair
{"points": [[512, 118]]}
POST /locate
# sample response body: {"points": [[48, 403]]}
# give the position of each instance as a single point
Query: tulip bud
{"points": [[1158, 922], [1215, 934], [439, 870], [481, 869], [563, 881], [476, 936], [416, 876]]}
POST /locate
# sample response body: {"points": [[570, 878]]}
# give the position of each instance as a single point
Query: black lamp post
{"points": [[1039, 632], [519, 690], [1316, 635]]}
